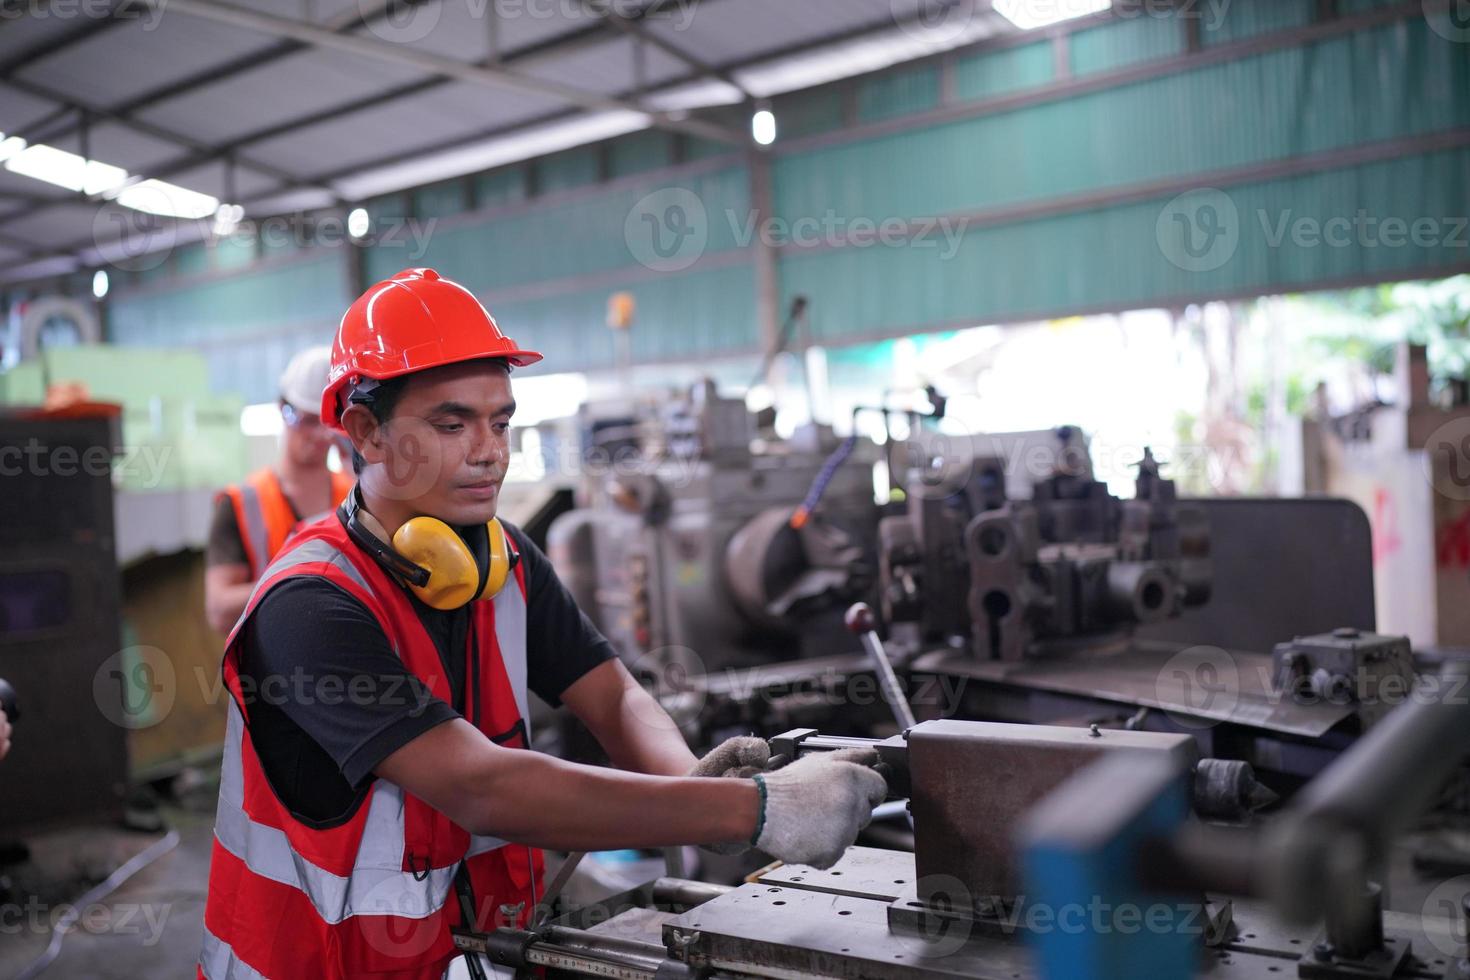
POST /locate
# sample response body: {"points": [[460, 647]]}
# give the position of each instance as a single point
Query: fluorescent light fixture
{"points": [[100, 283], [763, 127], [1029, 14], [10, 146], [167, 200], [533, 142], [65, 169], [358, 222]]}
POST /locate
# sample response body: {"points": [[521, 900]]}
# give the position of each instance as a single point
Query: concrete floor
{"points": [[149, 927]]}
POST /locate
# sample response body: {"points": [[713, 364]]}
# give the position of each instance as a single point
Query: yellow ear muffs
{"points": [[497, 571], [454, 575]]}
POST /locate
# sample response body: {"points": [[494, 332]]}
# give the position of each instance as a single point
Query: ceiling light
{"points": [[100, 283], [64, 169], [358, 222], [1028, 14], [763, 127], [168, 200]]}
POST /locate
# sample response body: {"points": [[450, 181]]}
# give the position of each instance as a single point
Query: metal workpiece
{"points": [[971, 782]]}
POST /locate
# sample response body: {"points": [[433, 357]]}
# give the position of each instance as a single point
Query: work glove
{"points": [[812, 810], [740, 758]]}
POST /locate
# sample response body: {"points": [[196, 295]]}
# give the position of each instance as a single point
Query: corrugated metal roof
{"points": [[312, 99]]}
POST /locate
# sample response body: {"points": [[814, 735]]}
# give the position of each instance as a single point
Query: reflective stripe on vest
{"points": [[252, 527]]}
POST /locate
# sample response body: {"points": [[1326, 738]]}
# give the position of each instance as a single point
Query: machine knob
{"points": [[859, 618]]}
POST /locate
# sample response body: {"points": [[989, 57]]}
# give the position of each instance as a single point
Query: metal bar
{"points": [[635, 30], [683, 891]]}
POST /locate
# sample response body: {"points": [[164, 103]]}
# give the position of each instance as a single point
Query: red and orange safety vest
{"points": [[374, 895], [264, 515]]}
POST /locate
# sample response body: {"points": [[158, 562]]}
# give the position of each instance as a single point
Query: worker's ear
{"points": [[366, 434]]}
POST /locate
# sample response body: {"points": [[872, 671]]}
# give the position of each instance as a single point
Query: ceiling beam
{"points": [[634, 29]]}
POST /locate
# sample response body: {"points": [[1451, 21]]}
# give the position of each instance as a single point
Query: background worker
{"points": [[393, 796], [253, 519]]}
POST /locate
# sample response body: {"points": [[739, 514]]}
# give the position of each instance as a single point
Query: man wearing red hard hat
{"points": [[377, 785]]}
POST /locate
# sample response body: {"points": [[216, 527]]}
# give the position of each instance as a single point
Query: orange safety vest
{"points": [[265, 517], [375, 894]]}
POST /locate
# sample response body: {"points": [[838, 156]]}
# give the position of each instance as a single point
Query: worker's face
{"points": [[446, 448], [306, 440]]}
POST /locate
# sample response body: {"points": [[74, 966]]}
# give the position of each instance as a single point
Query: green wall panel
{"points": [[563, 171], [500, 187], [1337, 93], [684, 315], [995, 73], [898, 93], [637, 152], [309, 291], [1139, 38], [1113, 257], [805, 114], [1250, 18], [439, 200], [577, 236]]}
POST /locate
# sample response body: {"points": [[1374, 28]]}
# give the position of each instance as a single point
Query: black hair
{"points": [[384, 398]]}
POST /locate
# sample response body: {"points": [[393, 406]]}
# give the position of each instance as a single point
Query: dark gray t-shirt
{"points": [[329, 700]]}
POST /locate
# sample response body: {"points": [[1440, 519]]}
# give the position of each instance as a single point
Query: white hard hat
{"points": [[305, 377]]}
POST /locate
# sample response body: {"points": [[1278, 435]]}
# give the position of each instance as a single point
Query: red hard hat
{"points": [[411, 322]]}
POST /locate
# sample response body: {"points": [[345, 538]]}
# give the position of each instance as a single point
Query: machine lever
{"points": [[860, 620]]}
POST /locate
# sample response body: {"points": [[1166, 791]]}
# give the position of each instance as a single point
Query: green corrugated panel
{"points": [[699, 148], [191, 259], [637, 152], [1139, 38], [389, 206], [312, 290], [500, 187], [23, 385], [807, 113], [234, 252], [898, 93], [683, 315], [563, 171], [1114, 256], [439, 200], [994, 73], [1249, 18], [1397, 80], [1358, 6], [587, 234]]}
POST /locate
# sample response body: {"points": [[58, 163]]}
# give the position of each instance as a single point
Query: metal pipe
{"points": [[683, 891]]}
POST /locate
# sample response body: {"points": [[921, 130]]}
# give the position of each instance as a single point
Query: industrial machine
{"points": [[1066, 854]]}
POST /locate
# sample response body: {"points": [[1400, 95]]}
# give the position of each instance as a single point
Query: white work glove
{"points": [[742, 756], [737, 758], [812, 810]]}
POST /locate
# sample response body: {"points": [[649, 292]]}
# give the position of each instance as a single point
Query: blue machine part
{"points": [[1085, 912]]}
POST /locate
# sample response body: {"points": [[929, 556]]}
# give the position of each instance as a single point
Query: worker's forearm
{"points": [[547, 802], [643, 738], [225, 603]]}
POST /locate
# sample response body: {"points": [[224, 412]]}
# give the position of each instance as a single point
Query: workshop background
{"points": [[784, 248]]}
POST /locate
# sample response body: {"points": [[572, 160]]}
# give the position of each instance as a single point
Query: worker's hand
{"points": [[741, 757], [4, 734], [812, 810]]}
